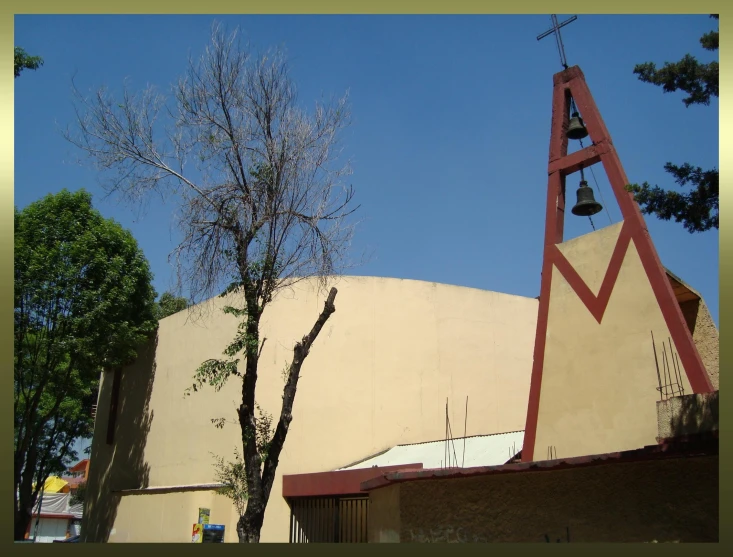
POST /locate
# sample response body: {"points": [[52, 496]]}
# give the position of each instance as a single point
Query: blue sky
{"points": [[450, 132]]}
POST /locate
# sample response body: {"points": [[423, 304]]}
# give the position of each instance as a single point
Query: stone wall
{"points": [[688, 415], [661, 500]]}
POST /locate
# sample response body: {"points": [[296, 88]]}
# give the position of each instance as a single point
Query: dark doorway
{"points": [[341, 519]]}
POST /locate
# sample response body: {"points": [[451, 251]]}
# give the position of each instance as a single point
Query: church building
{"points": [[418, 397]]}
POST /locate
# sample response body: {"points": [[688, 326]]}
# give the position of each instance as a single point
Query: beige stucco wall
{"points": [[378, 375], [666, 500], [157, 518], [599, 382]]}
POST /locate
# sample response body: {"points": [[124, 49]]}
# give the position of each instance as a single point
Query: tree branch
{"points": [[300, 353]]}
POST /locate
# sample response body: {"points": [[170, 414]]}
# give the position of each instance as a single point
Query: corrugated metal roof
{"points": [[480, 450], [704, 445]]}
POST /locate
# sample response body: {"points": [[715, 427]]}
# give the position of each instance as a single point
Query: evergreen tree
{"points": [[696, 209]]}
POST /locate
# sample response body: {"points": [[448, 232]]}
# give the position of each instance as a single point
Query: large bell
{"points": [[576, 128], [587, 205]]}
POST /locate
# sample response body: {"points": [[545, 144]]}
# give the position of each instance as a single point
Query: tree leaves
{"points": [[83, 303], [24, 61], [697, 209], [233, 473], [168, 304], [234, 479], [213, 373], [79, 494], [700, 81]]}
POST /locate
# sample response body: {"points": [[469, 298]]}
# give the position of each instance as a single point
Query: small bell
{"points": [[576, 128], [587, 205]]}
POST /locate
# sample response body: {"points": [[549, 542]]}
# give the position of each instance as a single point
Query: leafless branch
{"points": [[258, 186]]}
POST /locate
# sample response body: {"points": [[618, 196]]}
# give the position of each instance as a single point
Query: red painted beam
{"points": [[580, 159], [596, 304], [571, 83]]}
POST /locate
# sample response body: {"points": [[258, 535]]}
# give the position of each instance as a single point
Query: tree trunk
{"points": [[21, 521], [26, 494], [249, 525]]}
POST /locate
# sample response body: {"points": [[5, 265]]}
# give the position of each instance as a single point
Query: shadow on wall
{"points": [[705, 336], [688, 415], [120, 434]]}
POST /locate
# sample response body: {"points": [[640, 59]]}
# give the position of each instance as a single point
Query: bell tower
{"points": [[607, 309]]}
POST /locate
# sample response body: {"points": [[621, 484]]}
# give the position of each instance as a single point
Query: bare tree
{"points": [[262, 205]]}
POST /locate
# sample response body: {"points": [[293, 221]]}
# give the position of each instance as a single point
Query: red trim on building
{"points": [[567, 83], [595, 304], [338, 482], [61, 516], [80, 466]]}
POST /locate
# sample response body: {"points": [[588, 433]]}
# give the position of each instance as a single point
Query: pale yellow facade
{"points": [[378, 375], [599, 380]]}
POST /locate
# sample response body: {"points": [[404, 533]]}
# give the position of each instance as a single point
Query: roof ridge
{"points": [[454, 439]]}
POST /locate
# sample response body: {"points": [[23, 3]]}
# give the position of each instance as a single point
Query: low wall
{"points": [[169, 517], [659, 500], [688, 415]]}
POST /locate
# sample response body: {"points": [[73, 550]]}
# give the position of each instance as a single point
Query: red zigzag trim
{"points": [[596, 304]]}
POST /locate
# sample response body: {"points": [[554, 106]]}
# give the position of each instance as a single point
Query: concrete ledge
{"points": [[169, 489], [687, 415]]}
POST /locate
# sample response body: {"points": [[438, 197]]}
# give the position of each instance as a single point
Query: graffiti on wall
{"points": [[558, 539], [452, 534], [445, 534]]}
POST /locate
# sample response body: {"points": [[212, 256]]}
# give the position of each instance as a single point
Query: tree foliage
{"points": [[79, 494], [233, 474], [262, 206], [233, 477], [168, 304], [698, 80], [698, 208], [24, 61], [83, 303]]}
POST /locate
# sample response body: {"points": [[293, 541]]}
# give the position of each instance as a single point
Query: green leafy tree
{"points": [[83, 304], [168, 304], [79, 494], [24, 61], [697, 209], [262, 206]]}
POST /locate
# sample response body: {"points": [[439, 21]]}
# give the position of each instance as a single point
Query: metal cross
{"points": [[556, 30]]}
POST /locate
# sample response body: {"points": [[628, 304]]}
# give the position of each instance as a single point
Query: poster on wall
{"points": [[213, 533], [197, 536], [204, 515]]}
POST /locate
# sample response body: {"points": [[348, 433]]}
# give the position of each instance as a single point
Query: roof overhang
{"points": [[338, 482], [682, 291]]}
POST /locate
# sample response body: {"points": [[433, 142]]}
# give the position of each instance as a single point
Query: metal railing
{"points": [[329, 519]]}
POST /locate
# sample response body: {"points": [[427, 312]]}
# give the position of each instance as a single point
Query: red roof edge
{"points": [[79, 466], [705, 444], [338, 482], [68, 516]]}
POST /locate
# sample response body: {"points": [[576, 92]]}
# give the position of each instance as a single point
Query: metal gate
{"points": [[329, 519]]}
